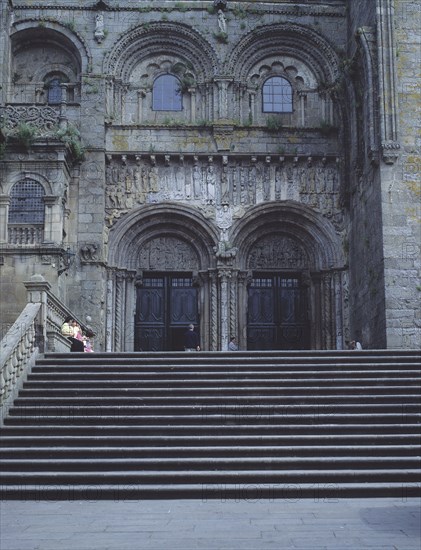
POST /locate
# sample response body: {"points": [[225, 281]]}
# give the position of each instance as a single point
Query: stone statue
{"points": [[99, 27], [222, 23]]}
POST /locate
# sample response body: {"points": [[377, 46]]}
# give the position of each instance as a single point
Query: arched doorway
{"points": [[160, 260], [295, 290], [167, 293]]}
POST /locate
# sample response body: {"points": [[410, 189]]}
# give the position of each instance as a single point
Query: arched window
{"points": [[54, 91], [27, 203], [277, 95], [166, 95]]}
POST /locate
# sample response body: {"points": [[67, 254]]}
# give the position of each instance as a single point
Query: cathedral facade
{"points": [[247, 167]]}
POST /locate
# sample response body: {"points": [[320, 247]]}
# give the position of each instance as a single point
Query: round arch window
{"points": [[277, 95], [27, 203], [166, 94]]}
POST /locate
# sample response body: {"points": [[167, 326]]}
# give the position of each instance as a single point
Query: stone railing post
{"points": [[37, 288]]}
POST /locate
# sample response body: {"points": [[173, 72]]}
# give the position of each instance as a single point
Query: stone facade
{"points": [[309, 208]]}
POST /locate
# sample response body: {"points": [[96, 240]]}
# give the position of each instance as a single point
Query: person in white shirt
{"points": [[232, 346]]}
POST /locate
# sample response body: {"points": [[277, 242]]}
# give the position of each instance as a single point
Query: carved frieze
{"points": [[222, 187]]}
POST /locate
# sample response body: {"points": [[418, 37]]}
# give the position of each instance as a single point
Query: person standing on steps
{"points": [[191, 340]]}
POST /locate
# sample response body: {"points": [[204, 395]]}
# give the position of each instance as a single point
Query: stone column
{"points": [[303, 97], [338, 319], [243, 279], [387, 80], [141, 94], [326, 311], [109, 104], [224, 277], [192, 92], [233, 305], [118, 311], [129, 311], [109, 313], [252, 105], [53, 223], [4, 216], [213, 307]]}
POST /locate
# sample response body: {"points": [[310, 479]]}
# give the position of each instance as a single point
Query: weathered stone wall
{"points": [[401, 197]]}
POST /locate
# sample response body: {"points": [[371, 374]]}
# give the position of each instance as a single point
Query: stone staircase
{"points": [[246, 425]]}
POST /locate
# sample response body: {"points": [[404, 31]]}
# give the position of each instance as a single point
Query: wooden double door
{"points": [[166, 303], [277, 315]]}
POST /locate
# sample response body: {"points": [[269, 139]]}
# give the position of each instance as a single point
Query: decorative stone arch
{"points": [[144, 53], [71, 50], [52, 228], [299, 54], [22, 175], [55, 33], [290, 39], [157, 238], [294, 239], [157, 37]]}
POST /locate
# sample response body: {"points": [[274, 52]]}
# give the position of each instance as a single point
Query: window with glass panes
{"points": [[166, 95], [277, 95], [27, 203]]}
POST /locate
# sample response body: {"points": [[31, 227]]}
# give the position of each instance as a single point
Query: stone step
{"points": [[178, 425], [291, 452], [222, 410], [238, 401], [204, 383], [212, 476], [226, 369], [215, 432], [138, 417], [412, 389], [92, 466], [52, 492]]}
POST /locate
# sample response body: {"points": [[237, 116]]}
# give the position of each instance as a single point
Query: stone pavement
{"points": [[383, 523]]}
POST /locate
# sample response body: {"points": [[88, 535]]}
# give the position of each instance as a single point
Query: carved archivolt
{"points": [[291, 235], [177, 39], [164, 236], [54, 34], [284, 40]]}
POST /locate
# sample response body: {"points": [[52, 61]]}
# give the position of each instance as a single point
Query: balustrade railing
{"points": [[25, 234], [18, 353], [37, 329]]}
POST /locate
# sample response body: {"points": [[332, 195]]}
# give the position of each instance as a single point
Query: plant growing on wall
{"points": [[273, 124], [71, 136], [25, 134]]}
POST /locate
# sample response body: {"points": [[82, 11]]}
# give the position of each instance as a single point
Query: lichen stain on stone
{"points": [[120, 143]]}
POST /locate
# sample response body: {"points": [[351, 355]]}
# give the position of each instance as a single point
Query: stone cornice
{"points": [[335, 9]]}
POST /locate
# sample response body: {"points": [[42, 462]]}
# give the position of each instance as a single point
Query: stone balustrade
{"points": [[18, 353], [25, 234], [37, 329]]}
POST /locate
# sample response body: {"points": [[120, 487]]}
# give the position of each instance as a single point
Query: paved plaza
{"points": [[383, 523]]}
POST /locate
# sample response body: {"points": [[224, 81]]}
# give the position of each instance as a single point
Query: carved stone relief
{"points": [[168, 253], [221, 187], [277, 252]]}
